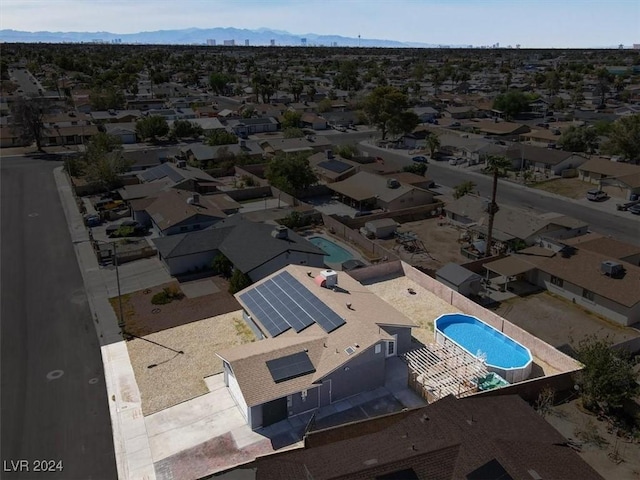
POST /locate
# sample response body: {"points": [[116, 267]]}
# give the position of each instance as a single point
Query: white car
{"points": [[597, 195], [456, 161]]}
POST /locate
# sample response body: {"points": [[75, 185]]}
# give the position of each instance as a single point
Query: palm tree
{"points": [[463, 188], [496, 166], [433, 144]]}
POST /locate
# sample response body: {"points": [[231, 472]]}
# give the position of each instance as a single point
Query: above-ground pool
{"points": [[502, 355], [334, 253]]}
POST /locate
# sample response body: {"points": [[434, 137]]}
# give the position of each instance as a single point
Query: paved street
{"points": [[625, 227], [54, 401]]}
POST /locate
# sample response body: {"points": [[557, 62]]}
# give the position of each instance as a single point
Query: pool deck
{"points": [[424, 307]]}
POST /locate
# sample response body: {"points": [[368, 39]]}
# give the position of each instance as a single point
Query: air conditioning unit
{"points": [[611, 268], [330, 278], [393, 183]]}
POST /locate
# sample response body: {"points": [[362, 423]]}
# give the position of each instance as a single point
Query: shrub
{"points": [[167, 295]]}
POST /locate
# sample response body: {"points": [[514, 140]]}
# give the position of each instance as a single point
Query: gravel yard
{"points": [[166, 378]]}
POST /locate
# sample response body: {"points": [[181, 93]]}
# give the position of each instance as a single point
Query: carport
{"points": [[508, 268]]}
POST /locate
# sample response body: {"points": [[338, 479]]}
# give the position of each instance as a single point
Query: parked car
{"points": [[635, 209], [456, 161], [420, 159], [597, 195], [456, 124], [92, 220], [136, 228]]}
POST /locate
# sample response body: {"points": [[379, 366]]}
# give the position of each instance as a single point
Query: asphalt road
{"points": [[516, 196], [54, 401], [26, 81]]}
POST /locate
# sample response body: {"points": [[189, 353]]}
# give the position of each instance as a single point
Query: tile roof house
{"points": [[368, 190], [474, 438], [332, 168], [256, 249], [323, 338]]}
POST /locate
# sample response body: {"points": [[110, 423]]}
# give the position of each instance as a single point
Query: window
{"points": [[378, 348], [587, 294], [558, 282], [184, 229], [391, 348]]}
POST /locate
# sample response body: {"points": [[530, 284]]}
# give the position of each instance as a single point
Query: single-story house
{"points": [[145, 159], [500, 129], [292, 145], [10, 138], [474, 438], [543, 159], [332, 168], [543, 137], [69, 134], [126, 132], [366, 190], [256, 249], [512, 226], [466, 111], [249, 126], [313, 120], [179, 211], [314, 348], [426, 114], [208, 124], [460, 279], [596, 281], [616, 178], [412, 179], [145, 104], [115, 116], [205, 153], [416, 139]]}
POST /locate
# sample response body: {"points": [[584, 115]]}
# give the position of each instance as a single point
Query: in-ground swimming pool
{"points": [[502, 355], [334, 253]]}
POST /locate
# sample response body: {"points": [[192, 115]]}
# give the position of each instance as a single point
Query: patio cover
{"points": [[509, 266]]}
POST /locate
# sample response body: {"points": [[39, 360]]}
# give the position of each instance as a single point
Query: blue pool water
{"points": [[334, 253], [476, 336]]}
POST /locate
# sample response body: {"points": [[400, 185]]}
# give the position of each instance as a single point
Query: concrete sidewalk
{"points": [[132, 450]]}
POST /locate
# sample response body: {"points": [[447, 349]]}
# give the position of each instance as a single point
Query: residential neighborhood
{"points": [[296, 262]]}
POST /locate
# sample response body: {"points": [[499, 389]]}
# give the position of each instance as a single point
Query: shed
{"points": [[459, 279], [382, 228]]}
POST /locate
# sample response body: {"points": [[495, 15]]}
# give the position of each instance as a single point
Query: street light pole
{"points": [[115, 263]]}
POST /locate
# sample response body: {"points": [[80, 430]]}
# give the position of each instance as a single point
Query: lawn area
{"points": [[567, 187]]}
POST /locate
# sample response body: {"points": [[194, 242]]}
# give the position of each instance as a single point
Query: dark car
{"points": [[420, 159], [635, 209], [117, 230]]}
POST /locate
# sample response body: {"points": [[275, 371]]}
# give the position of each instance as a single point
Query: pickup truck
{"points": [[128, 225]]}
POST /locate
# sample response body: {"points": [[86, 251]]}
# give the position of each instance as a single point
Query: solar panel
{"points": [[335, 166], [282, 302], [291, 366]]}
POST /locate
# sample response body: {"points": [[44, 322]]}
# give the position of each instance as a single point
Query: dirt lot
{"points": [[612, 457], [440, 241], [559, 322], [142, 318], [567, 187], [166, 378]]}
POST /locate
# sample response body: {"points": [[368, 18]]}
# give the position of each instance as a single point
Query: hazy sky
{"points": [[539, 23]]}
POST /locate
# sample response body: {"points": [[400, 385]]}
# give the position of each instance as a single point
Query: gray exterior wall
{"points": [[601, 305], [363, 373], [287, 258], [141, 216], [197, 222], [300, 405], [255, 417], [471, 286], [403, 344], [179, 265]]}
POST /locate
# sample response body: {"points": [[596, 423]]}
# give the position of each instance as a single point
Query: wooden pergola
{"points": [[441, 370]]}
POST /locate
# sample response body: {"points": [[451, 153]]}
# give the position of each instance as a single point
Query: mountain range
{"points": [[191, 36]]}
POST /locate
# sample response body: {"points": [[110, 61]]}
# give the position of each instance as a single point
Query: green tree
{"points": [[512, 103], [291, 119], [296, 89], [604, 84], [221, 137], [552, 82], [222, 265], [28, 119], [324, 105], [104, 161], [579, 139], [624, 138], [293, 132], [404, 122], [347, 151], [417, 168], [608, 377], [384, 108], [497, 166], [238, 281], [290, 173], [463, 189], [219, 82], [107, 99], [152, 127], [185, 128]]}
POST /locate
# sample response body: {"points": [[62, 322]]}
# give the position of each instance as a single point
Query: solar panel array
{"points": [[161, 171], [291, 366], [282, 302], [335, 166]]}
